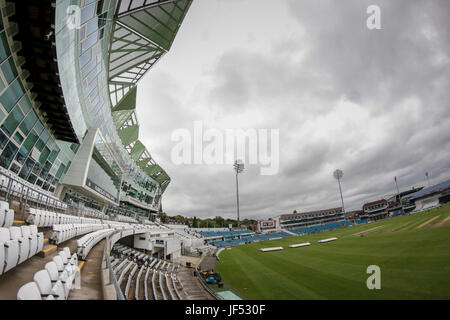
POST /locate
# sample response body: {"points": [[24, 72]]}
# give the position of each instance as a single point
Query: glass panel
{"points": [[8, 154], [19, 138], [54, 154], [11, 95], [12, 121], [26, 169], [29, 142], [44, 155], [4, 47], [32, 178], [28, 123], [9, 70], [21, 156], [3, 140]]}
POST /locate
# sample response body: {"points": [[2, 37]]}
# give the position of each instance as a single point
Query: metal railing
{"points": [[14, 186], [112, 277]]}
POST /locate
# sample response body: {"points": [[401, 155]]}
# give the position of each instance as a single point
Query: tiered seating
{"points": [[6, 215], [16, 186], [95, 214], [64, 232], [122, 218], [159, 274], [18, 244], [53, 282], [85, 243]]}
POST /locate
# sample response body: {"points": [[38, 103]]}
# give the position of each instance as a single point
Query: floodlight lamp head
{"points": [[338, 174], [238, 166]]}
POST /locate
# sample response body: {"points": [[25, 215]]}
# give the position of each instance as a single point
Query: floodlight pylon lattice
{"points": [[238, 167], [338, 174]]}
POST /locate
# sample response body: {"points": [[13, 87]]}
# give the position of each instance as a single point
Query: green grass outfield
{"points": [[414, 262]]}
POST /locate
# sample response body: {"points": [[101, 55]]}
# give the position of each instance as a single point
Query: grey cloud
{"points": [[400, 75]]}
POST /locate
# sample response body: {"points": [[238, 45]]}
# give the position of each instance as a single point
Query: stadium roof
{"points": [[291, 215], [430, 190]]}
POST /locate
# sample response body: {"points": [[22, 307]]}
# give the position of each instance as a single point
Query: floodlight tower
{"points": [[338, 174], [428, 179], [238, 167], [398, 191]]}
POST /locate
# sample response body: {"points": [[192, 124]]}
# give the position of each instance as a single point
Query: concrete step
{"points": [[48, 249]]}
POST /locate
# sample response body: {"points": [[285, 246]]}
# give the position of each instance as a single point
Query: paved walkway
{"points": [[90, 278]]}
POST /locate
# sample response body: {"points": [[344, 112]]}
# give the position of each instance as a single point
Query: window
{"points": [[8, 154], [3, 140], [37, 168], [11, 95], [15, 168], [60, 170], [4, 47], [21, 156], [29, 142], [32, 178], [44, 155], [28, 123], [19, 138], [12, 121], [54, 154], [9, 70]]}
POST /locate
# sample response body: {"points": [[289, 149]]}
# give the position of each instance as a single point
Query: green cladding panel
{"points": [[129, 135], [127, 102]]}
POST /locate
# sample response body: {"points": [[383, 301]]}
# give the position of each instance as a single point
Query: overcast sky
{"points": [[374, 103]]}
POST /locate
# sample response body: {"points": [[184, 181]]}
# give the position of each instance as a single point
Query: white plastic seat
{"points": [[11, 248], [2, 257], [27, 232], [33, 229], [73, 259], [9, 218], [67, 281], [24, 243], [4, 205], [59, 263], [39, 218], [33, 217], [43, 281], [70, 267], [33, 238], [52, 270], [58, 291], [29, 291], [45, 218], [40, 242]]}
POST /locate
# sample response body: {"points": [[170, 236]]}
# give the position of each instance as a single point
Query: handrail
{"points": [[112, 278]]}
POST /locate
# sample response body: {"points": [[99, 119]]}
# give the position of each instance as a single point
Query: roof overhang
{"points": [[36, 20]]}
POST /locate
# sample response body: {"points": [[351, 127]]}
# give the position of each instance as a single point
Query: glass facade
{"points": [[27, 147], [101, 55]]}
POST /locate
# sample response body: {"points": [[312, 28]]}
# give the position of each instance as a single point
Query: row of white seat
{"points": [[64, 232], [85, 243], [123, 218], [22, 188], [44, 218], [6, 215], [95, 214], [55, 281], [18, 244]]}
